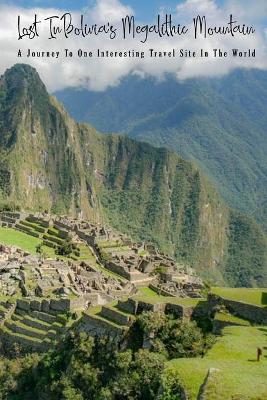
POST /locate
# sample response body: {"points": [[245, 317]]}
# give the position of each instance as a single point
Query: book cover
{"points": [[133, 199]]}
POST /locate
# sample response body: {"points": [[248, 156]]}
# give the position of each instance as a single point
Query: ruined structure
{"points": [[39, 293]]}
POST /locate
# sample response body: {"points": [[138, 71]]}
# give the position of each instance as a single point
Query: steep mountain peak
{"points": [[22, 82], [22, 96], [22, 75]]}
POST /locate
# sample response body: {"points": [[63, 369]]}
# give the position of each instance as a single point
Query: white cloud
{"points": [[109, 10], [191, 7], [100, 73], [250, 10]]}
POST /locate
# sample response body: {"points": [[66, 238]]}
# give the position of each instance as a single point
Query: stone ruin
{"points": [[38, 293], [29, 276], [142, 264]]}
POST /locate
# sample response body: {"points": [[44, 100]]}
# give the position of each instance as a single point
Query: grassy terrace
{"points": [[11, 237], [85, 253], [148, 295], [240, 376], [95, 313], [20, 335], [224, 317], [251, 296]]}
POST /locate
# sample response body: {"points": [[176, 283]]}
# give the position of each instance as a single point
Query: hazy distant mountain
{"points": [[219, 123], [49, 162]]}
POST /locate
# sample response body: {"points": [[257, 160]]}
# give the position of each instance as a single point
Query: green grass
{"points": [[85, 253], [147, 292], [94, 310], [150, 296], [2, 308], [224, 317], [187, 302], [251, 296], [234, 354], [143, 253], [11, 237], [113, 307], [109, 244]]}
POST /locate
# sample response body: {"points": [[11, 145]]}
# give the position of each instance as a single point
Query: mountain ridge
{"points": [[219, 123]]}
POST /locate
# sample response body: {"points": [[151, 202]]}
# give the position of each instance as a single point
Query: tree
{"points": [[66, 248]]}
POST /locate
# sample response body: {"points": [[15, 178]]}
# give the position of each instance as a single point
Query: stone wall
{"points": [[118, 269], [23, 331], [53, 305], [104, 298], [27, 345], [250, 312], [129, 306], [144, 306], [43, 317], [33, 218], [84, 236], [117, 317], [179, 311], [98, 327], [60, 305], [161, 292], [77, 304], [34, 323]]}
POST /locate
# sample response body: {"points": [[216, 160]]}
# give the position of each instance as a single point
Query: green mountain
{"points": [[218, 123], [49, 162]]}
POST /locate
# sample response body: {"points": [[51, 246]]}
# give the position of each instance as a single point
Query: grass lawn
{"points": [[240, 376], [148, 295], [85, 253], [251, 296], [225, 317], [147, 292], [11, 237]]}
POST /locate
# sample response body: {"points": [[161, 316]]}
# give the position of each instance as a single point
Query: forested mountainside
{"points": [[219, 123], [50, 162]]}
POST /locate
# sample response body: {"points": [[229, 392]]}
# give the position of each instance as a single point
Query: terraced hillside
{"points": [[31, 329]]}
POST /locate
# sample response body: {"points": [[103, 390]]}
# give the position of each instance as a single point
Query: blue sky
{"points": [[144, 9]]}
